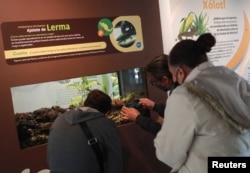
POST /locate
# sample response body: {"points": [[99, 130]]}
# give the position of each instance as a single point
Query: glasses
{"points": [[160, 85], [154, 83]]}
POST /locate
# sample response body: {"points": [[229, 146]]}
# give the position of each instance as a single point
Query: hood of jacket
{"points": [[81, 114], [226, 92]]}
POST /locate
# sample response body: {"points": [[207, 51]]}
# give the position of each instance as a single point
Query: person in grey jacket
{"points": [[68, 149], [208, 114]]}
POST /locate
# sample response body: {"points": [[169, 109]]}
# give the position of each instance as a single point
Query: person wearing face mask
{"points": [[208, 113], [160, 77]]}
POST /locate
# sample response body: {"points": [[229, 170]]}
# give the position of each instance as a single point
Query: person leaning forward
{"points": [[161, 78], [68, 149]]}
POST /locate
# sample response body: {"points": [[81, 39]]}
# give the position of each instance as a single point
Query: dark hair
{"points": [[192, 53], [158, 67], [98, 100]]}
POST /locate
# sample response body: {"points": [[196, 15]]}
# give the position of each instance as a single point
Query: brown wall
{"points": [[12, 159]]}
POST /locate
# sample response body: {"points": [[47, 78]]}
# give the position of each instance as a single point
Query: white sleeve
{"points": [[173, 141]]}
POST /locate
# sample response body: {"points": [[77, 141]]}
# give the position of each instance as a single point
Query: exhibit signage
{"points": [[227, 20], [28, 41]]}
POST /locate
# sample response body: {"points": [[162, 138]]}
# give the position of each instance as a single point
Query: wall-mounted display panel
{"points": [[30, 41], [88, 19], [227, 20]]}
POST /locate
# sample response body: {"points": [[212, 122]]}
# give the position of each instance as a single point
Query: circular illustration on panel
{"points": [[105, 27], [125, 34]]}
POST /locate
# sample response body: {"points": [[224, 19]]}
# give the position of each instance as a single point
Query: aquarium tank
{"points": [[36, 106]]}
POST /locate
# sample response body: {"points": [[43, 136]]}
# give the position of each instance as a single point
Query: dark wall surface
{"points": [[12, 158]]}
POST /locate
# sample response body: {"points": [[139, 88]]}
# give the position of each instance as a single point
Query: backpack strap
{"points": [[93, 143]]}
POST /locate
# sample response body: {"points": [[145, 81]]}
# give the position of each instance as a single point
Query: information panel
{"points": [[227, 20], [27, 41]]}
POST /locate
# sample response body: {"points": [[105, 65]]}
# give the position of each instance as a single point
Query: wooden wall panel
{"points": [[12, 159]]}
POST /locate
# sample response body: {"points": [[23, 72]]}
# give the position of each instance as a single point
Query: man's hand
{"points": [[129, 113], [146, 103]]}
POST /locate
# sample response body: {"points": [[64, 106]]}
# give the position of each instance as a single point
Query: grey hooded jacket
{"points": [[226, 92], [68, 151]]}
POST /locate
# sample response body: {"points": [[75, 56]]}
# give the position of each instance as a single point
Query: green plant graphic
{"points": [[200, 22], [193, 25]]}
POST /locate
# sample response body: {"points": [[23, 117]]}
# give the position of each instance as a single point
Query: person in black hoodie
{"points": [[160, 77], [69, 151]]}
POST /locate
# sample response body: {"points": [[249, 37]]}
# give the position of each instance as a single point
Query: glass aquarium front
{"points": [[36, 106]]}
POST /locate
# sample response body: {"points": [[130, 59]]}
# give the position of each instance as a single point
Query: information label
{"points": [[29, 41]]}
